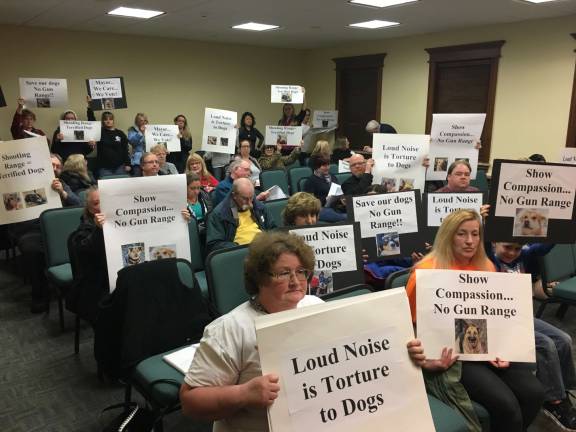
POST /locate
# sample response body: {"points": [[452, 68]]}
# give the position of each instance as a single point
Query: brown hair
{"points": [[300, 204]]}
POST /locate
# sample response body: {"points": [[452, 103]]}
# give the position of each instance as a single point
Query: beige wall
{"points": [[534, 82], [163, 77]]}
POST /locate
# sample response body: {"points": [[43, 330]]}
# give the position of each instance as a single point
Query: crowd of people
{"points": [[225, 381]]}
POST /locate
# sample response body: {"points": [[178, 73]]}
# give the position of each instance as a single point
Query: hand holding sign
{"points": [[261, 391]]}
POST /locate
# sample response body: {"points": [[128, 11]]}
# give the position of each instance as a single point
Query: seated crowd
{"points": [[225, 381]]}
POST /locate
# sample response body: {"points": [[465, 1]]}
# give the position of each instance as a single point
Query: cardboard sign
{"points": [[219, 133], [454, 137], [325, 119], [143, 220], [344, 366], [286, 94], [283, 135], [26, 180], [167, 135], [44, 92], [107, 93], [398, 161], [477, 314], [532, 202], [338, 252], [80, 131], [568, 155]]}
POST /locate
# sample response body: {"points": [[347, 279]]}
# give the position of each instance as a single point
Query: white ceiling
{"points": [[304, 23]]}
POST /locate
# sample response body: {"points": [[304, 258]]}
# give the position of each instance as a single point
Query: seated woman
{"points": [[272, 157], [65, 149], [302, 208], [225, 381], [510, 392], [319, 184], [195, 164], [341, 150], [199, 202], [321, 148], [244, 154], [165, 167], [75, 173]]}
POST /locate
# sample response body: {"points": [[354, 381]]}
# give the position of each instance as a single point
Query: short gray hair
{"points": [[372, 125]]}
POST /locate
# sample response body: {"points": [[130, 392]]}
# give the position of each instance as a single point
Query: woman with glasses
{"points": [[196, 165], [166, 168], [199, 202], [225, 381]]}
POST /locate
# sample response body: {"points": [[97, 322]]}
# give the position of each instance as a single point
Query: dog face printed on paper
{"points": [[531, 223], [162, 252], [471, 343], [471, 336], [134, 254]]}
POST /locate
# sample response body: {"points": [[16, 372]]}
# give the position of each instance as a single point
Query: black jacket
{"points": [[357, 185], [112, 148], [76, 182]]}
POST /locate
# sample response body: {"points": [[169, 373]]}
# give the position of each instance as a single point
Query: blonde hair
{"points": [[158, 148], [321, 147], [442, 251], [76, 163], [197, 158], [300, 204]]}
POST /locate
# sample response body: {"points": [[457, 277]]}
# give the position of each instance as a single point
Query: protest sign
{"points": [[344, 366], [2, 98], [283, 135], [398, 161], [80, 131], [310, 136], [106, 93], [26, 180], [568, 155], [286, 94], [338, 254], [453, 137], [143, 220], [325, 119], [167, 135], [219, 134], [476, 313], [343, 167], [44, 92], [388, 223], [532, 202]]}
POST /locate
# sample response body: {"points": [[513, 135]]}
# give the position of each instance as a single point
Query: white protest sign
{"points": [[393, 212], [143, 220], [276, 193], [568, 155], [477, 314], [44, 92], [283, 135], [453, 137], [105, 88], [219, 133], [548, 190], [286, 94], [25, 180], [398, 161], [344, 366], [325, 119], [343, 166], [441, 205], [79, 130], [167, 135]]}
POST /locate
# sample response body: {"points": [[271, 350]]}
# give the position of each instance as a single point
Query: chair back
{"points": [[342, 177], [270, 178], [397, 279], [301, 184], [196, 247], [481, 181], [297, 173], [334, 169], [225, 274], [276, 207], [56, 226], [351, 291], [558, 264]]}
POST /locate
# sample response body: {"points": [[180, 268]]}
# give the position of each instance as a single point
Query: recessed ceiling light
{"points": [[381, 3], [135, 13], [375, 24], [255, 26], [539, 1]]}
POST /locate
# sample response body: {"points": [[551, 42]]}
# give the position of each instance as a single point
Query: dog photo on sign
{"points": [[133, 254], [471, 336], [387, 244], [531, 222], [162, 252]]}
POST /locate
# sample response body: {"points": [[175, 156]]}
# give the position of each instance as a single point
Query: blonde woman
{"points": [[75, 173], [322, 148], [137, 142], [509, 391], [196, 165]]}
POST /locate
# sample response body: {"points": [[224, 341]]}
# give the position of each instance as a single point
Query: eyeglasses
{"points": [[461, 174], [357, 164], [300, 274], [152, 162]]}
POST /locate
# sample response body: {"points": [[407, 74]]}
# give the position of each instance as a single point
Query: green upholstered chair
{"points": [[225, 272], [397, 279], [481, 181], [351, 291], [114, 176], [270, 178], [334, 169], [295, 174], [342, 177], [446, 419], [301, 183], [276, 207], [197, 256], [56, 226]]}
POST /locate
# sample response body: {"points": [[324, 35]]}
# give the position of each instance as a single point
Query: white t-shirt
{"points": [[228, 355]]}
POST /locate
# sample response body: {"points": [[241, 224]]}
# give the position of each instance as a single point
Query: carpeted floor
{"points": [[45, 387]]}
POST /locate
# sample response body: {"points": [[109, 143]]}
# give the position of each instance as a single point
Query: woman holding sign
{"points": [[65, 149], [510, 392], [225, 381]]}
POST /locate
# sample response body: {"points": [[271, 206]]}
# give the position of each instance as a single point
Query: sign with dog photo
{"points": [[44, 92], [167, 135], [283, 135], [144, 221], [532, 202], [219, 133], [80, 131], [286, 93], [477, 314], [107, 93], [324, 119], [389, 223], [26, 176], [338, 256]]}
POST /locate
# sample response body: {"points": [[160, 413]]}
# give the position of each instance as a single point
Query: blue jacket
{"points": [[222, 190], [527, 261], [136, 140]]}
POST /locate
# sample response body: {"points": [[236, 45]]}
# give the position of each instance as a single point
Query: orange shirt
{"points": [[430, 264]]}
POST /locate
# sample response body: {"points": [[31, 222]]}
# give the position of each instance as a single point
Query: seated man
{"points": [[238, 218], [361, 179], [150, 165], [458, 178]]}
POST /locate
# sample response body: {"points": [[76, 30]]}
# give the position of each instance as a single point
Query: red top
{"points": [[18, 131]]}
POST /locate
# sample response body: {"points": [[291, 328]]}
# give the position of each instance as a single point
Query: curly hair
{"points": [[300, 204]]}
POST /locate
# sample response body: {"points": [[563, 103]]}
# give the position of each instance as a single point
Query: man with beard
{"points": [[238, 218]]}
